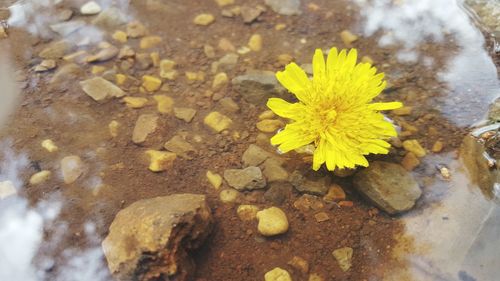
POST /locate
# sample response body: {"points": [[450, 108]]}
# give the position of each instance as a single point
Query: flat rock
{"points": [[389, 186], [66, 28], [110, 18], [72, 168], [258, 86], [254, 155], [66, 73], [285, 7], [250, 14], [278, 192], [101, 89], [180, 146], [305, 185], [249, 178], [151, 239], [145, 125], [273, 171], [56, 50], [104, 54]]}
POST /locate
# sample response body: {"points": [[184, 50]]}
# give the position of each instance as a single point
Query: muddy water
{"points": [[436, 60]]}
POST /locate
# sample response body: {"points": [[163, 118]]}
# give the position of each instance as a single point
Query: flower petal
{"points": [[295, 80], [285, 109], [385, 105], [291, 138], [318, 64]]}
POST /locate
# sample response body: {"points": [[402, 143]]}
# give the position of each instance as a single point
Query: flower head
{"points": [[334, 110]]}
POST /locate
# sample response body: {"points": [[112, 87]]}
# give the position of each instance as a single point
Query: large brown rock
{"points": [[151, 238]]}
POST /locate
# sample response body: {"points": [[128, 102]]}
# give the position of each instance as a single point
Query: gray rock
{"points": [[254, 155], [273, 171], [180, 146], [145, 125], [389, 186], [153, 237], [110, 18], [225, 64], [101, 89], [278, 192], [258, 86], [285, 7], [56, 50], [249, 178], [305, 185], [494, 112], [66, 28]]}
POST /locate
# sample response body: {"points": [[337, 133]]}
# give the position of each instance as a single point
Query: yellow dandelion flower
{"points": [[334, 110]]}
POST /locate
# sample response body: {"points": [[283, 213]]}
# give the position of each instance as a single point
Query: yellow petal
{"points": [[285, 109], [318, 65], [295, 80], [385, 105]]}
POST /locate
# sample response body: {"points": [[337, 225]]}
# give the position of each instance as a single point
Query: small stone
{"points": [[204, 19], [72, 168], [45, 65], [285, 7], [308, 202], [65, 29], [284, 59], [300, 264], [321, 217], [255, 42], [410, 161], [257, 87], [304, 185], [104, 54], [268, 114], [49, 145], [166, 66], [278, 192], [228, 195], [415, 147], [344, 257], [40, 177], [315, 277], [368, 59], [249, 178], [7, 189], [165, 104], [120, 36], [98, 69], [254, 155], [270, 125], [226, 45], [229, 105], [184, 113], [150, 42], [155, 57], [160, 160], [170, 75], [220, 80], [135, 102], [223, 3], [151, 83], [226, 63], [437, 146], [146, 124], [247, 212], [179, 146], [56, 50], [214, 179], [110, 18], [209, 51], [347, 37], [403, 111], [195, 76], [113, 128], [100, 89], [90, 8], [279, 26], [120, 79], [272, 221], [243, 50], [63, 15], [273, 171], [335, 193], [217, 121], [348, 204], [250, 14], [135, 29]]}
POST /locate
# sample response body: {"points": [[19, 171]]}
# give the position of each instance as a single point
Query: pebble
{"points": [[247, 212], [135, 29], [135, 102], [437, 146], [255, 42], [120, 79], [40, 177], [126, 52], [268, 114], [415, 147], [278, 192], [146, 124], [151, 83], [120, 36], [403, 111], [90, 8], [315, 277], [226, 45], [214, 179], [184, 113], [150, 42], [7, 189], [72, 168], [62, 15], [321, 217], [250, 14], [195, 76], [98, 69], [166, 66], [347, 37], [226, 63], [272, 221], [367, 59], [160, 160], [249, 178], [217, 121], [269, 125], [179, 146], [165, 104], [228, 104], [99, 89], [110, 18], [335, 193], [243, 50], [284, 59], [3, 32], [273, 171], [220, 80], [113, 128], [410, 161], [254, 155], [65, 29], [223, 3], [45, 65], [228, 195], [55, 50], [344, 257], [304, 185], [204, 19], [49, 145], [285, 7], [104, 54], [209, 51], [299, 263]]}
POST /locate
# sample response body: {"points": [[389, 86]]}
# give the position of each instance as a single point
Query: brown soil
{"points": [[234, 251]]}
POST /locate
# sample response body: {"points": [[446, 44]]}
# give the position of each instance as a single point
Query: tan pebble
{"points": [[405, 110], [214, 179], [209, 51], [135, 29], [166, 69], [46, 65], [120, 79], [170, 75], [269, 125], [77, 57], [268, 114], [151, 83], [72, 168], [344, 257], [97, 69], [367, 59], [315, 277], [217, 121], [126, 52], [220, 80], [415, 147], [277, 274], [165, 103], [223, 3], [135, 102], [195, 76], [272, 221], [247, 212], [145, 125], [346, 204], [335, 193], [160, 160], [321, 217], [40, 177], [120, 36], [204, 19], [155, 57], [313, 7], [280, 26], [284, 59], [150, 42], [228, 195], [184, 113], [347, 37], [226, 45], [437, 146], [255, 42], [299, 263], [49, 145], [410, 161], [113, 128], [243, 50]]}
